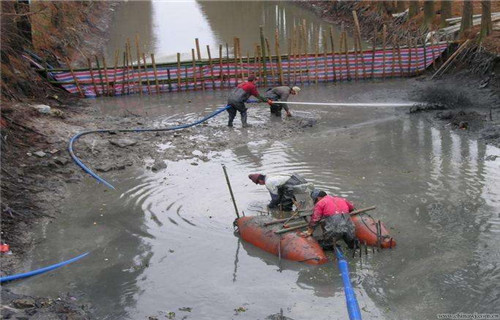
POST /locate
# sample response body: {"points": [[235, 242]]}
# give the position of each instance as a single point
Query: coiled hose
{"points": [[350, 296], [42, 270], [97, 177]]}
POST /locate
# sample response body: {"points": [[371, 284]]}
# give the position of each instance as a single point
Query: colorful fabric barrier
{"points": [[300, 70]]}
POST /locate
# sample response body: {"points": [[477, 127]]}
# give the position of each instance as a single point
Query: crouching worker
{"points": [[280, 94], [334, 213], [281, 187]]}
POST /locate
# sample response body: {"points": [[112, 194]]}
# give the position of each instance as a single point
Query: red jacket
{"points": [[329, 206], [249, 87]]}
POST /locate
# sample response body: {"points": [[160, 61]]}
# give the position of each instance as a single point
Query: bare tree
{"points": [[466, 18], [414, 8], [445, 12], [486, 25], [428, 13]]}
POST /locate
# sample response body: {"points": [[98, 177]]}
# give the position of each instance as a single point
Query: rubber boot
{"points": [[244, 123]]}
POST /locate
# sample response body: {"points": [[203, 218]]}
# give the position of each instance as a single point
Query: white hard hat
{"points": [[296, 89]]}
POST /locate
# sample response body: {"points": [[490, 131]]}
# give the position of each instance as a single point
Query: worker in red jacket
{"points": [[239, 96], [334, 212]]}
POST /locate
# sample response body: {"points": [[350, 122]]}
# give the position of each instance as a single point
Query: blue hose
{"points": [[99, 179], [350, 296], [42, 270]]}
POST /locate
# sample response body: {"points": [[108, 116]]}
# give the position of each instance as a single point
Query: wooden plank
{"points": [[156, 73]]}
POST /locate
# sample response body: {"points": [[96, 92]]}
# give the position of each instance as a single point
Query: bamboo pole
{"points": [[374, 44], [156, 73], [409, 57], [316, 52], [100, 74], [220, 67], [138, 63], [400, 62], [68, 62], [235, 54], [106, 74], [277, 48], [384, 40], [194, 69], [263, 53], [241, 60], [211, 67], [289, 60], [451, 58], [114, 73], [198, 52], [332, 43], [227, 66], [347, 60], [356, 66], [178, 71], [306, 51], [125, 73], [129, 57], [145, 67], [169, 80], [92, 77], [273, 75], [393, 70]]}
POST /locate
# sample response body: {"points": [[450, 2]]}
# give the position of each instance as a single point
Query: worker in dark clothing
{"points": [[334, 213], [239, 96], [280, 94], [281, 187]]}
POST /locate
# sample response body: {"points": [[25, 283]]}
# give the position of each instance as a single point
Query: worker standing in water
{"points": [[239, 96], [335, 214], [280, 93]]}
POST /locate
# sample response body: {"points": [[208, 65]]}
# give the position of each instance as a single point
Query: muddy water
{"points": [[163, 242], [167, 27]]}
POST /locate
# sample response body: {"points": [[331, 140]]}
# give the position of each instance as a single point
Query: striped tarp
{"points": [[299, 69]]}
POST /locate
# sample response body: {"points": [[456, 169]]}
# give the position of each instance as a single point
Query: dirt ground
{"points": [[36, 166]]}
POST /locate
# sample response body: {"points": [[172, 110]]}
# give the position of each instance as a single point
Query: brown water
{"points": [[164, 241], [167, 27]]}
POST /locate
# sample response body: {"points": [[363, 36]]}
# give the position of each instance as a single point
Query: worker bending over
{"points": [[239, 96], [281, 187], [280, 94], [334, 211]]}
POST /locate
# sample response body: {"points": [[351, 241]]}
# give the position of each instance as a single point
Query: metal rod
{"points": [[230, 191]]}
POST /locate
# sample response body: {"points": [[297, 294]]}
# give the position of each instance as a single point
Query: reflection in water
{"points": [[168, 27]]}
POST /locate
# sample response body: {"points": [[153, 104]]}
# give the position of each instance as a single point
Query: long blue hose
{"points": [[42, 270], [99, 179], [350, 296]]}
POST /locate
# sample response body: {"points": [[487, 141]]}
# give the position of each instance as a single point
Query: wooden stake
{"points": [[75, 78], [347, 60], [332, 42], [186, 78], [373, 52], [263, 53], [227, 66], [294, 54], [198, 52], [289, 60], [125, 73], [100, 75], [316, 52], [106, 74], [417, 56], [306, 54], [451, 58], [235, 54], [211, 67], [138, 63], [400, 62], [146, 73], [433, 57], [409, 57], [261, 70], [277, 48], [92, 77], [393, 59], [156, 73], [178, 71], [384, 40], [169, 80], [194, 69], [273, 81], [114, 73], [129, 57], [241, 60], [325, 55], [220, 67], [356, 58]]}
